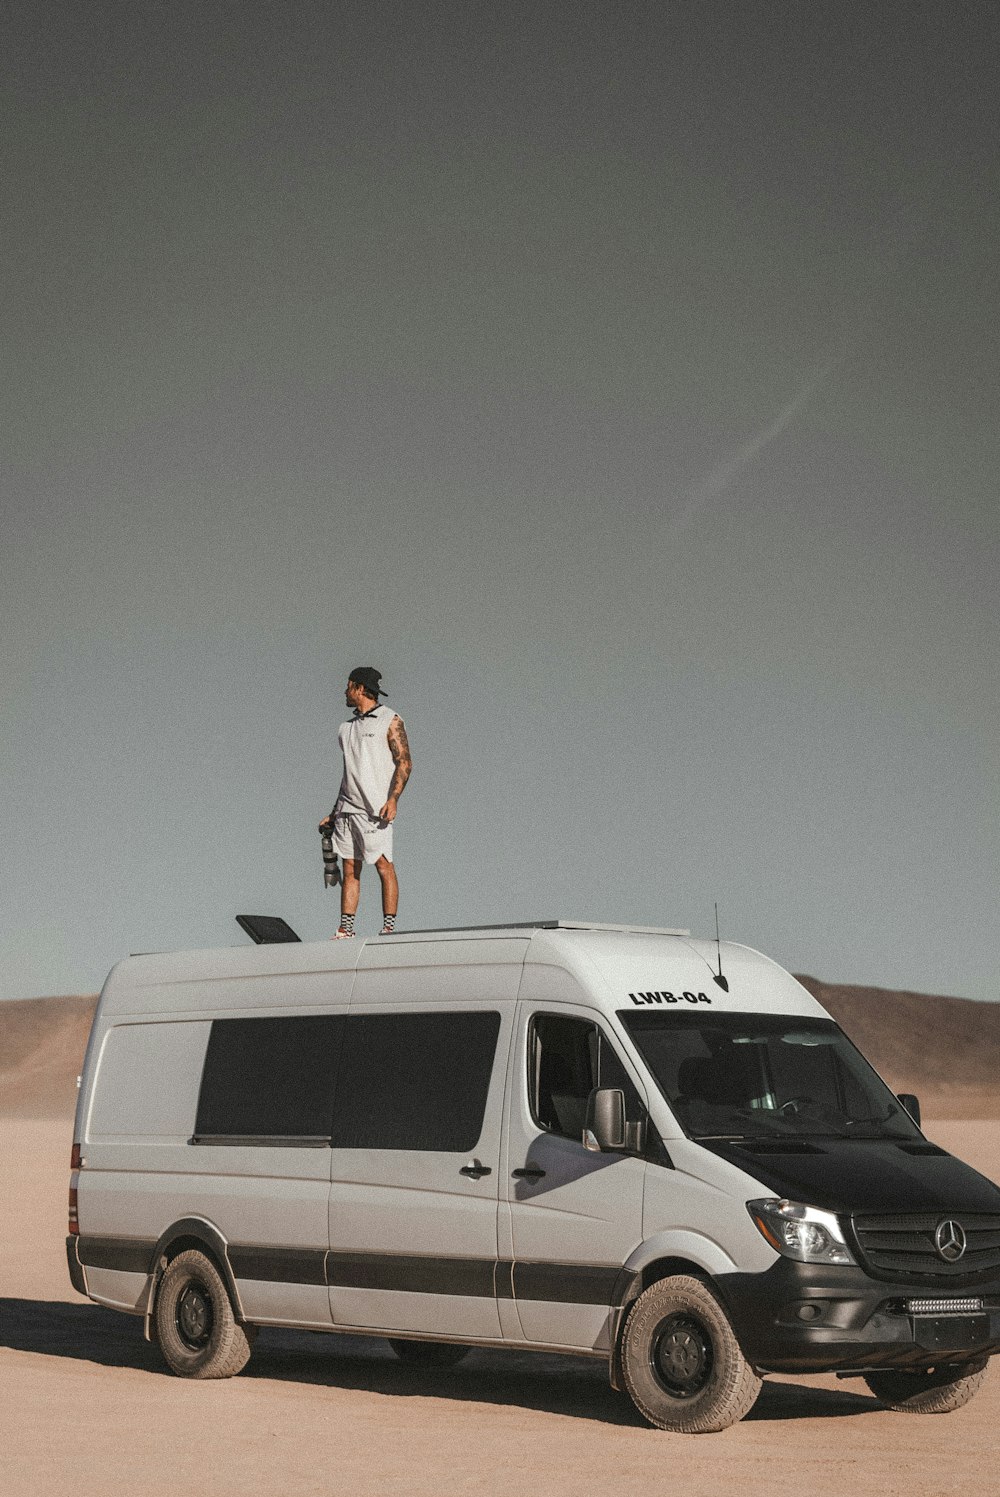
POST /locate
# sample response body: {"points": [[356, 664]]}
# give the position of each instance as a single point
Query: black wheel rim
{"points": [[682, 1355], [194, 1316]]}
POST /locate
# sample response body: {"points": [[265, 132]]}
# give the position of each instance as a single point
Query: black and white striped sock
{"points": [[388, 924], [347, 924]]}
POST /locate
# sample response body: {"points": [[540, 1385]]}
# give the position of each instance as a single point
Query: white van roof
{"points": [[618, 967], [645, 930]]}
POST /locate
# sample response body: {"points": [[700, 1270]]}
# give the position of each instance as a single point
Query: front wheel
{"points": [[681, 1362], [198, 1333], [937, 1391]]}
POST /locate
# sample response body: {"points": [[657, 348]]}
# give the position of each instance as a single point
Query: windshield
{"points": [[755, 1076]]}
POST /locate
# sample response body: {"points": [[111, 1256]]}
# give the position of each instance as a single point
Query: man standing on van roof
{"points": [[377, 765]]}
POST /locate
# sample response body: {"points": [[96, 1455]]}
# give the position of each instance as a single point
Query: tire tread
{"points": [[910, 1393], [734, 1394], [232, 1341]]}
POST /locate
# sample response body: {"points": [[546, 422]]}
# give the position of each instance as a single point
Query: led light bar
{"points": [[943, 1306]]}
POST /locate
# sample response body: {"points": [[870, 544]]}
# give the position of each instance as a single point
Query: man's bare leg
{"points": [[390, 892], [350, 893]]}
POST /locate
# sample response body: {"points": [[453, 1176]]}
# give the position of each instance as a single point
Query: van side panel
{"points": [[574, 1224], [413, 1239], [149, 1075], [142, 1102], [143, 1172], [413, 1232]]}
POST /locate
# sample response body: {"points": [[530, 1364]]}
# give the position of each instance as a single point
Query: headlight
{"points": [[801, 1232]]}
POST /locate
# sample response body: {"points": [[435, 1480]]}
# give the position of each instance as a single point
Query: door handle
{"points": [[474, 1169], [528, 1172]]}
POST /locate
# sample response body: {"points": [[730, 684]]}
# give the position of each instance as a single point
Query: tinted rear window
{"points": [[270, 1077], [415, 1081]]}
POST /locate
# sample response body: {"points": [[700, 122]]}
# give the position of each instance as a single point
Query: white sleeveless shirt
{"points": [[368, 762]]}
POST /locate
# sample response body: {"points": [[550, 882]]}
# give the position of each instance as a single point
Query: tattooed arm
{"points": [[400, 751]]}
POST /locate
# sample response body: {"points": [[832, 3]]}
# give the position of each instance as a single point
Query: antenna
{"points": [[717, 976]]}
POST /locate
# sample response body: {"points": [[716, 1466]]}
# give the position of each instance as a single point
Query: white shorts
{"points": [[361, 837]]}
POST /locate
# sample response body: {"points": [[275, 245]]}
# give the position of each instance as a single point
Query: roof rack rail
{"points": [[641, 930]]}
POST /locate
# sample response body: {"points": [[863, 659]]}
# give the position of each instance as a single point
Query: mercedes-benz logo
{"points": [[949, 1239]]}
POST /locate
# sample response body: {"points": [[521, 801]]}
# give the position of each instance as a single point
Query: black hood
{"points": [[876, 1175]]}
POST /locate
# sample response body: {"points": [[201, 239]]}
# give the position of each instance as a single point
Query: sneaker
{"points": [[343, 935], [387, 930]]}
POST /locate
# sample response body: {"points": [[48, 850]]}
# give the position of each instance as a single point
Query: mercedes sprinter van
{"points": [[580, 1139]]}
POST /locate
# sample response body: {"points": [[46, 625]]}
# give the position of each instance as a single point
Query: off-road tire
{"points": [[681, 1363], [197, 1331], [429, 1353], [936, 1392]]}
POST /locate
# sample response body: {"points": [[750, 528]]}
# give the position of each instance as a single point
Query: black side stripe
{"points": [[503, 1278], [565, 1283], [125, 1255], [273, 1265], [409, 1273], [559, 1283], [278, 1265]]}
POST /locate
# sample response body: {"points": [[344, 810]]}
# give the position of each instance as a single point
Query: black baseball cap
{"points": [[368, 677]]}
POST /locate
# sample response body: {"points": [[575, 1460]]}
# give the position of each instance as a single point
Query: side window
{"points": [[567, 1058], [269, 1078], [415, 1081]]}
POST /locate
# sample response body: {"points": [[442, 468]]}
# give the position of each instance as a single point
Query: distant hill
{"points": [[42, 1041], [947, 1050]]}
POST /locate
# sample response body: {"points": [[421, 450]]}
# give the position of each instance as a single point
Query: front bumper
{"points": [[805, 1317]]}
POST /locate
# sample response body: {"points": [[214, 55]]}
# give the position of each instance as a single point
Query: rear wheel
{"points": [[198, 1333], [940, 1390], [681, 1362], [429, 1353]]}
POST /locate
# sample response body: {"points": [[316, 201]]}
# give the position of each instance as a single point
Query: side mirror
{"points": [[911, 1104], [604, 1130]]}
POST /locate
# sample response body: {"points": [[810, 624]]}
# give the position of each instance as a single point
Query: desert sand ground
{"points": [[86, 1407]]}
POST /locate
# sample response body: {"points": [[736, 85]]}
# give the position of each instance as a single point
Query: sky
{"points": [[620, 379]]}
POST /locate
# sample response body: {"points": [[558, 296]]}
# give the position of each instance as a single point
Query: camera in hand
{"points": [[331, 865]]}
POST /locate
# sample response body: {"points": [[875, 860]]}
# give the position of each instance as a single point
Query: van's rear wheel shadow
{"points": [[86, 1333], [530, 1380]]}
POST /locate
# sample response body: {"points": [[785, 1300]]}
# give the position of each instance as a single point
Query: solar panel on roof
{"points": [[267, 930]]}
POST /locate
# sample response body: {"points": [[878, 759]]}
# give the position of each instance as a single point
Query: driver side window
{"points": [[567, 1058]]}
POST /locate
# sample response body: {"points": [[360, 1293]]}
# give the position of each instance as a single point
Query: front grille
{"points": [[903, 1246]]}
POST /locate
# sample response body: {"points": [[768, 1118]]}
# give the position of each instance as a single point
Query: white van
{"points": [[582, 1139]]}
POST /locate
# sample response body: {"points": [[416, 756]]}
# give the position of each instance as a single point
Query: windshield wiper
{"points": [[874, 1118]]}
